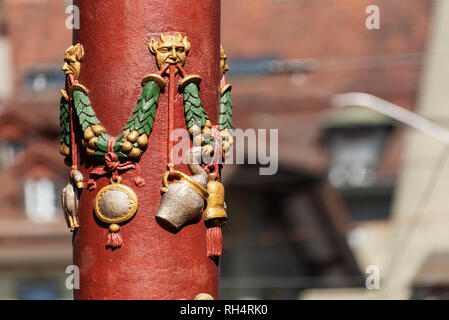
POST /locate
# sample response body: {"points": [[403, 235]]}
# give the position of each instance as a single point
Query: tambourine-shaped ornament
{"points": [[115, 204]]}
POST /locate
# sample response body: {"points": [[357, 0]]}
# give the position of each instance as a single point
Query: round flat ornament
{"points": [[115, 203]]}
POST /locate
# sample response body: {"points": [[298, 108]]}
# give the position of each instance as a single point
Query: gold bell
{"points": [[215, 214]]}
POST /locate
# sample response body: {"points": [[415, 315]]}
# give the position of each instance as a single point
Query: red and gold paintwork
{"points": [[153, 263]]}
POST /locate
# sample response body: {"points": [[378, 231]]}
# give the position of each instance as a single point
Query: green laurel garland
{"points": [[225, 119], [193, 108], [141, 120], [64, 121], [86, 118], [195, 113]]}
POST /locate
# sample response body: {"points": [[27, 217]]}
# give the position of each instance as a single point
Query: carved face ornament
{"points": [[72, 60], [171, 49]]}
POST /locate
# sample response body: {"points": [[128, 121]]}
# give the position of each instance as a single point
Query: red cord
{"points": [[214, 165], [113, 166], [164, 68], [73, 148], [181, 70], [171, 123]]}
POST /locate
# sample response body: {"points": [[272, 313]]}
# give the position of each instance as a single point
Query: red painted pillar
{"points": [[153, 263]]}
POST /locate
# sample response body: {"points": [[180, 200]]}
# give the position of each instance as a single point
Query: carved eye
{"points": [[180, 49], [163, 50]]}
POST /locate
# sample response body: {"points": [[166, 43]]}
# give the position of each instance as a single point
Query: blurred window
{"points": [[372, 203], [38, 291], [355, 155], [270, 65], [40, 81], [40, 200], [8, 152], [356, 138]]}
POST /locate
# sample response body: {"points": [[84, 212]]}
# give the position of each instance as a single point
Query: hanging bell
{"points": [[215, 213], [214, 217], [182, 200]]}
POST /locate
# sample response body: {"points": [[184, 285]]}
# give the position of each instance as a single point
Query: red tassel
{"points": [[114, 240], [214, 240]]}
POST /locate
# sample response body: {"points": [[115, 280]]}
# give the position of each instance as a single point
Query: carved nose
{"points": [[65, 67], [173, 54]]}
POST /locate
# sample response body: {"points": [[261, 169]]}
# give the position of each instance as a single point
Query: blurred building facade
{"points": [[35, 247], [288, 60], [345, 194], [419, 255]]}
